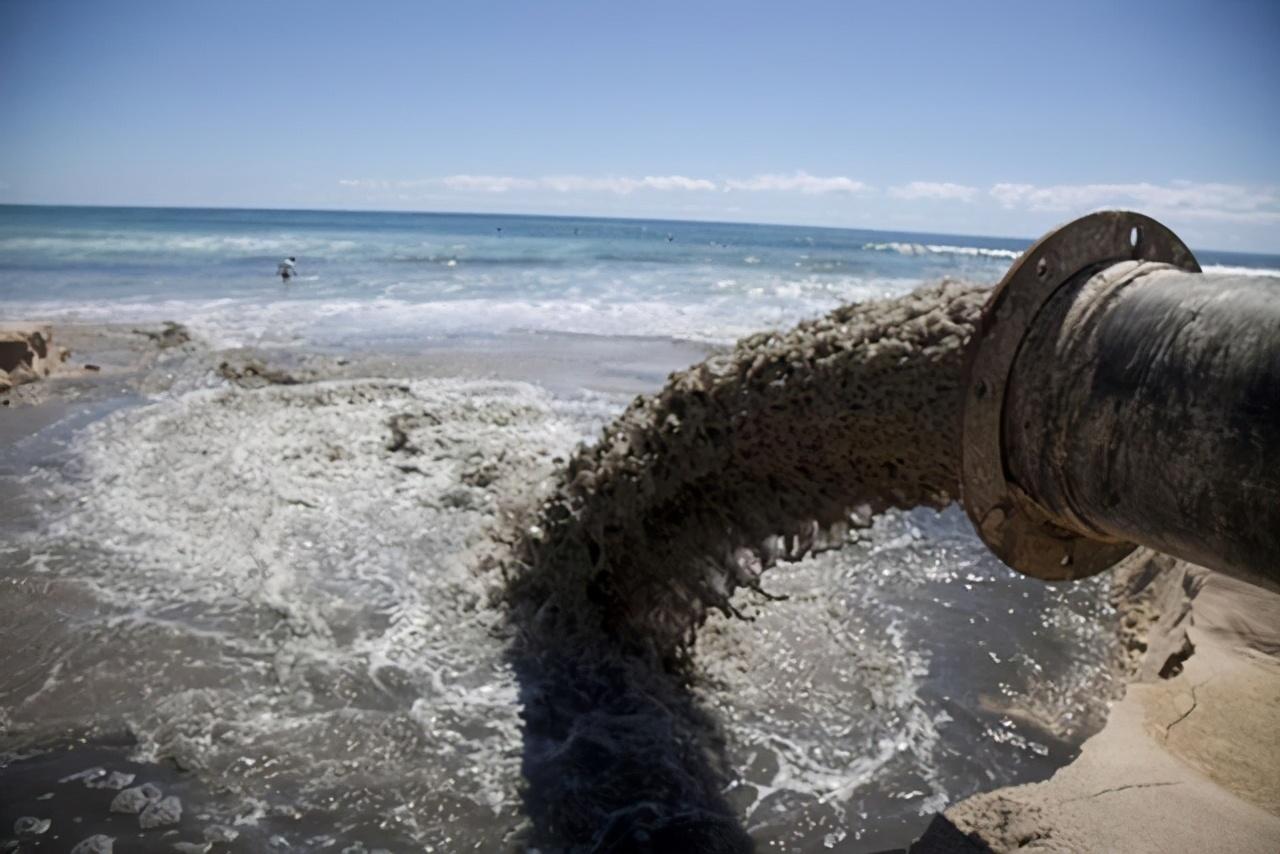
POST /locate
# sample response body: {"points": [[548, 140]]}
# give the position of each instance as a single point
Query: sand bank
{"points": [[1189, 759]]}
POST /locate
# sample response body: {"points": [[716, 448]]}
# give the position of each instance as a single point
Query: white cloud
{"points": [[623, 186], [1176, 200], [574, 183], [801, 182], [934, 190], [798, 181], [678, 182], [488, 183], [1210, 201]]}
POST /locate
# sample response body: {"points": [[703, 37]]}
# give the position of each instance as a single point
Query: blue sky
{"points": [[992, 118]]}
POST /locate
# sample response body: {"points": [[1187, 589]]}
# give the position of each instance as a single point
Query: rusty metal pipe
{"points": [[1120, 398]]}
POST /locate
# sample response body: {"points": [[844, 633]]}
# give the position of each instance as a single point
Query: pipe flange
{"points": [[1012, 525]]}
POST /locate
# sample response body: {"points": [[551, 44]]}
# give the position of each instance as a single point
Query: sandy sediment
{"points": [[766, 453], [763, 454]]}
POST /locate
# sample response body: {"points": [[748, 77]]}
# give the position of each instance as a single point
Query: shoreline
{"points": [[130, 362]]}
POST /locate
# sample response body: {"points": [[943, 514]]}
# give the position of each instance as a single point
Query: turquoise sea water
{"points": [[400, 277]]}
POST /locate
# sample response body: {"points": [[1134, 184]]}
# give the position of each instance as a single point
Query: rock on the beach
{"points": [[192, 847], [29, 825], [169, 335], [86, 775], [220, 833], [99, 843], [135, 800], [115, 780], [161, 813], [27, 355], [254, 374]]}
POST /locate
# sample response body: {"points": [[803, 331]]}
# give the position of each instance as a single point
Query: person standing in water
{"points": [[286, 270]]}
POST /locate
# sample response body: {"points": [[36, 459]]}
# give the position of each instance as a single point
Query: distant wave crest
{"points": [[1229, 270], [734, 309], [99, 245], [942, 249], [916, 249]]}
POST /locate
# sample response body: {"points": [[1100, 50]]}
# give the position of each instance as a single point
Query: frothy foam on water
{"points": [[406, 314]]}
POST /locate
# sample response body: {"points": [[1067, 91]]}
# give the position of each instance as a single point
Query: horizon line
{"points": [[511, 214], [1028, 240]]}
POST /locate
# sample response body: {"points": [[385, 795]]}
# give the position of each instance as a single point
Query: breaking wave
{"points": [[943, 249], [732, 309], [1232, 270]]}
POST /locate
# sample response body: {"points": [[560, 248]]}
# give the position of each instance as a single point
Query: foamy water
{"points": [[268, 588]]}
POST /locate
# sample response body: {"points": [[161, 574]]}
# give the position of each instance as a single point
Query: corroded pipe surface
{"points": [[1144, 406], [1141, 407]]}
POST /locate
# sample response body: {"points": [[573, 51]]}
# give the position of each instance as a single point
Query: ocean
{"points": [[394, 279], [263, 597]]}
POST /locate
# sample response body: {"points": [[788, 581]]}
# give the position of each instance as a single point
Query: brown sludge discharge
{"points": [[767, 453]]}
